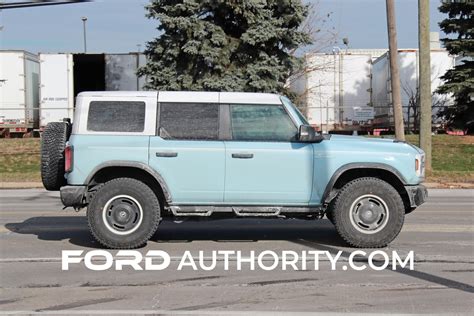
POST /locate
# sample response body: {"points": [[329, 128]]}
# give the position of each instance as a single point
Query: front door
{"points": [[187, 152], [265, 165]]}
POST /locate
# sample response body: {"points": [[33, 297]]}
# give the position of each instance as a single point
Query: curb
{"points": [[21, 185], [449, 185]]}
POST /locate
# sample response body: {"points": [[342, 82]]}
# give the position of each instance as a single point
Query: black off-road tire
{"points": [[342, 213], [124, 187], [53, 142]]}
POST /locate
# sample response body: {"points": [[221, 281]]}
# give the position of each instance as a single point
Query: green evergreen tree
{"points": [[218, 45], [460, 80]]}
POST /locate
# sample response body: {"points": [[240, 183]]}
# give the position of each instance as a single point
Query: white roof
{"points": [[118, 94], [193, 96], [250, 98], [222, 97], [188, 96]]}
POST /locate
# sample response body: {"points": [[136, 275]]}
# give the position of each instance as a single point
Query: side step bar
{"points": [[243, 211]]}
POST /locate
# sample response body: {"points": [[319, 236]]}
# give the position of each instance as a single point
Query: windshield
{"points": [[288, 103]]}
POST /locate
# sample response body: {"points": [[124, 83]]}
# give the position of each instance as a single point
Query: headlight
{"points": [[420, 165]]}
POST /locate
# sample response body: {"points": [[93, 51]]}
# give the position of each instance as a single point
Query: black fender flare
{"points": [[132, 164], [326, 198]]}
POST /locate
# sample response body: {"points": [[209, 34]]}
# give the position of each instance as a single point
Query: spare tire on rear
{"points": [[53, 142]]}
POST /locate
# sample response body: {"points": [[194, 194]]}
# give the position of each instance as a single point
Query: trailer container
{"points": [[335, 89], [121, 72], [19, 100], [57, 87], [441, 62], [351, 89]]}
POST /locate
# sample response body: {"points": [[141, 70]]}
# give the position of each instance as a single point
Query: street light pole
{"points": [[84, 20]]}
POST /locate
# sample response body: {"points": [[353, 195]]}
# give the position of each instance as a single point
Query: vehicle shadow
{"points": [[416, 273], [76, 231]]}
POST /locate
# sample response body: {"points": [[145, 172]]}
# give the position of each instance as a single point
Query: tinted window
{"points": [[198, 121], [116, 116], [262, 123]]}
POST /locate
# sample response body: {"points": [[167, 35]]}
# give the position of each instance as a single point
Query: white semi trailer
{"points": [[19, 100], [408, 59], [57, 87], [335, 89]]}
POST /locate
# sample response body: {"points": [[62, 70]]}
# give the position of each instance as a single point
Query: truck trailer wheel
{"points": [[123, 214], [368, 213], [53, 142]]}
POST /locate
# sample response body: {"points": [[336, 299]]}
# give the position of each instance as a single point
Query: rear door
{"points": [[265, 165], [187, 152], [56, 88]]}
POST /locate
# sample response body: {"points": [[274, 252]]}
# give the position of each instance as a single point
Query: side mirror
{"points": [[306, 133]]}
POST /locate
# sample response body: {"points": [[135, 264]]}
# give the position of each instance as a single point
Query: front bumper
{"points": [[417, 194], [73, 195]]}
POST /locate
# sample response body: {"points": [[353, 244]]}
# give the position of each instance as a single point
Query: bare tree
{"points": [[323, 39], [414, 104]]}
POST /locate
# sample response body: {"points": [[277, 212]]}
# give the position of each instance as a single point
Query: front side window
{"points": [[287, 102], [193, 121], [262, 123], [116, 116]]}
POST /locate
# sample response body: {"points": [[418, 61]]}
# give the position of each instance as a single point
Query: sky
{"points": [[118, 26]]}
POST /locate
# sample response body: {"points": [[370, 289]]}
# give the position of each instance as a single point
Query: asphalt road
{"points": [[34, 230]]}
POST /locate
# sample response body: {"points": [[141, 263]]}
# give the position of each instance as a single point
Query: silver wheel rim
{"points": [[369, 214], [122, 215]]}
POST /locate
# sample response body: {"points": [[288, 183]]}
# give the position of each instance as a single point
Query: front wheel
{"points": [[368, 213], [123, 214]]}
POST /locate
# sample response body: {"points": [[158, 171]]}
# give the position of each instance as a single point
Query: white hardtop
{"points": [[191, 96], [117, 94]]}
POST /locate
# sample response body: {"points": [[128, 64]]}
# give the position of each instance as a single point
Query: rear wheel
{"points": [[368, 213], [123, 214]]}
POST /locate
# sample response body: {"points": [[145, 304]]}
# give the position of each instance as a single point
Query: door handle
{"points": [[166, 154], [242, 156]]}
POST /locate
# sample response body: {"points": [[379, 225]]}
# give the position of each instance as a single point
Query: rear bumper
{"points": [[73, 195], [417, 194]]}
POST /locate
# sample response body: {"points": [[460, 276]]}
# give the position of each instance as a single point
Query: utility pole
{"points": [[425, 79], [394, 71], [84, 20]]}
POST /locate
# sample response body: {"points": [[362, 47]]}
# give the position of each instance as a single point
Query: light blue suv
{"points": [[132, 158]]}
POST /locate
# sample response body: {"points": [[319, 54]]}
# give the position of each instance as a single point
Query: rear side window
{"points": [[116, 116], [193, 121]]}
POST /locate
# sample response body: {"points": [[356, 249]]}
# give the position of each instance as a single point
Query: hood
{"points": [[362, 139], [373, 140]]}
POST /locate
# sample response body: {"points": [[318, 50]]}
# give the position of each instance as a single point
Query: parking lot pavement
{"points": [[34, 230]]}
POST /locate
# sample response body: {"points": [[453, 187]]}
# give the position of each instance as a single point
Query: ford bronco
{"points": [[132, 158]]}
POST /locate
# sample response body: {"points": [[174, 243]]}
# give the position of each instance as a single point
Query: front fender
{"points": [[326, 198]]}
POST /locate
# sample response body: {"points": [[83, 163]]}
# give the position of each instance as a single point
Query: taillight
{"points": [[68, 156]]}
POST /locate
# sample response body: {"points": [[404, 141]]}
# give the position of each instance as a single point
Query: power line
{"points": [[37, 3]]}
